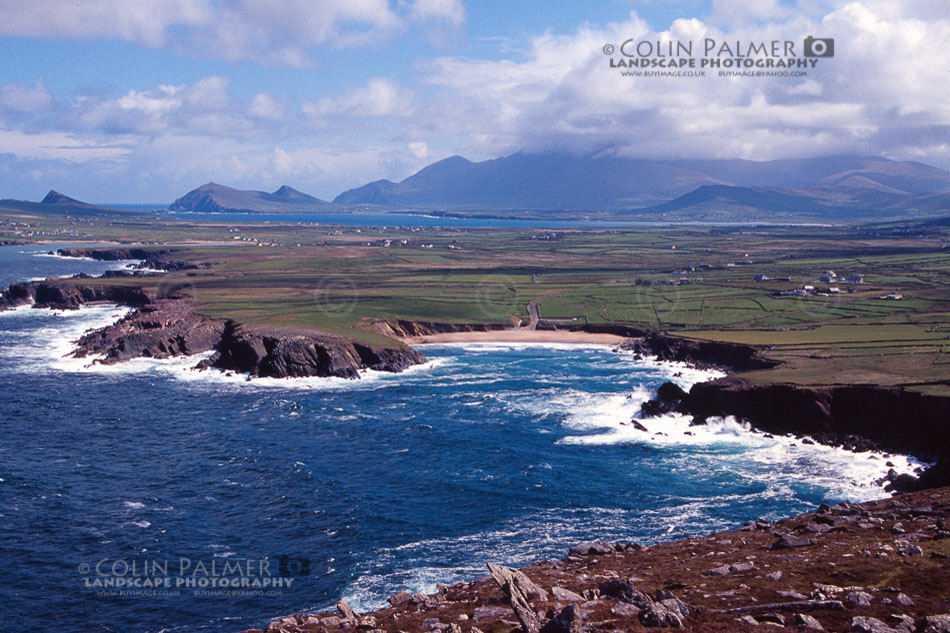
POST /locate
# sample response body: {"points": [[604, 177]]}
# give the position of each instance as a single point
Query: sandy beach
{"points": [[518, 336]]}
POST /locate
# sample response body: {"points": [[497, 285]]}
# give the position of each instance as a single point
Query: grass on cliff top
{"points": [[339, 279]]}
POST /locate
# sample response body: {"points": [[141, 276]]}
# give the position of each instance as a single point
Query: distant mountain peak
{"points": [[55, 197], [605, 179], [214, 198]]}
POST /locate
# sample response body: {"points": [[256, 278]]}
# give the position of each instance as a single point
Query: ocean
{"points": [[489, 452]]}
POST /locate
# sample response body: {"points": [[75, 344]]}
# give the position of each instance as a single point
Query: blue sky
{"points": [[116, 103]]}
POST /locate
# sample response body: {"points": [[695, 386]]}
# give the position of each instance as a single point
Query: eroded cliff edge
{"points": [[163, 325]]}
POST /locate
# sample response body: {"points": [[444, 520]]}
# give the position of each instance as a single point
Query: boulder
{"points": [[860, 599], [863, 624], [514, 585], [490, 613], [593, 548], [805, 621], [565, 595], [936, 624], [346, 611], [400, 598], [512, 577], [569, 620], [624, 609], [789, 541]]}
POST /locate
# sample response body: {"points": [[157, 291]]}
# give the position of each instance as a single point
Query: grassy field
{"points": [[696, 282]]}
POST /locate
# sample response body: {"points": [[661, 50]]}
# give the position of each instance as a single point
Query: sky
{"points": [[139, 101]]}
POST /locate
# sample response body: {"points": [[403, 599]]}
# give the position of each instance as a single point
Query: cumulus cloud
{"points": [[59, 146], [883, 93], [144, 21], [282, 33], [738, 12], [379, 98], [265, 107], [25, 98], [889, 74], [450, 11]]}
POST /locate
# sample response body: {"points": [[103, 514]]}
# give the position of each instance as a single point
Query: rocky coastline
{"points": [[877, 567], [856, 417], [165, 323], [153, 258], [850, 567]]}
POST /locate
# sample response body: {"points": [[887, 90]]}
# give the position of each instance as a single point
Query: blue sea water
{"points": [[371, 219], [353, 489]]}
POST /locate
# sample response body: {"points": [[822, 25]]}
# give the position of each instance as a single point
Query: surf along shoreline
{"points": [[856, 417], [165, 323]]}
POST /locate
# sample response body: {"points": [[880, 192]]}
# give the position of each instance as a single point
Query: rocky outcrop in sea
{"points": [[167, 324], [857, 417]]}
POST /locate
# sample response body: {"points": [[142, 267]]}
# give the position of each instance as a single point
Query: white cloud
{"points": [[451, 11], [25, 98], [265, 107], [887, 82], [738, 12], [208, 93], [284, 33], [143, 21], [883, 93], [377, 99], [58, 146]]}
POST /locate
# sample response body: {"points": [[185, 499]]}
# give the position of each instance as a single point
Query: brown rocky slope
{"points": [[878, 567]]}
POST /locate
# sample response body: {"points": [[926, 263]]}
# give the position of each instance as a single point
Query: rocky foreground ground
{"points": [[878, 567]]}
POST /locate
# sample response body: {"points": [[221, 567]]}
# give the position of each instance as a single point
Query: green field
{"points": [[695, 282]]}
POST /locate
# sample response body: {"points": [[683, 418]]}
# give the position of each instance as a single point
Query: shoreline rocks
{"points": [[851, 576], [168, 326], [275, 354], [856, 417]]}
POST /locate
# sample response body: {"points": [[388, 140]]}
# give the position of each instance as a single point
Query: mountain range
{"points": [[215, 198], [608, 183], [604, 185]]}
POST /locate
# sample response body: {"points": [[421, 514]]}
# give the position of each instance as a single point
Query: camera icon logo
{"points": [[819, 47], [293, 566]]}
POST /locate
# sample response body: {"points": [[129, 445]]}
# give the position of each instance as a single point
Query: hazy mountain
{"points": [[56, 203], [604, 182], [55, 197], [532, 181], [724, 198], [215, 198]]}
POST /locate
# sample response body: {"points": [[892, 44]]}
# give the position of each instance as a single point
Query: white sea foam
{"points": [[733, 446], [50, 346], [591, 418]]}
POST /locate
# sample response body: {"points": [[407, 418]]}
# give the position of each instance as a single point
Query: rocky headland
{"points": [[165, 323], [878, 567], [857, 417]]}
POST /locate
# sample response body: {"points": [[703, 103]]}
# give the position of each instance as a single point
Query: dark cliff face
{"points": [[157, 259], [162, 327], [895, 418], [64, 295], [401, 328], [857, 417], [731, 356], [276, 355]]}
